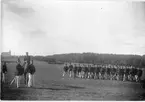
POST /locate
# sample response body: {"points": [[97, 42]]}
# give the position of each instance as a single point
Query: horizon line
{"points": [[72, 53]]}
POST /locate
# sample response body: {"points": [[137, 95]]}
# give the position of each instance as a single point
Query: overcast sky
{"points": [[44, 27]]}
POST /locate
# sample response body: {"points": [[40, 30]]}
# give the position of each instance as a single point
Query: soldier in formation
{"points": [[103, 72]]}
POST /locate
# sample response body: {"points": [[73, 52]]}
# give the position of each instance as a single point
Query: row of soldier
{"points": [[105, 72]]}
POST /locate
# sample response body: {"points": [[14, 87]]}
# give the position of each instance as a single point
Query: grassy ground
{"points": [[49, 85]]}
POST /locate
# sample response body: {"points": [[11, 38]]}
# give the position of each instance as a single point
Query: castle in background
{"points": [[6, 54]]}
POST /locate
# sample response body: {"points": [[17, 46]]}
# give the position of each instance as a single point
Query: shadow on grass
{"points": [[74, 87], [57, 89], [67, 87], [70, 86]]}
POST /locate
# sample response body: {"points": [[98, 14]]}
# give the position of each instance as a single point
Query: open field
{"points": [[49, 85]]}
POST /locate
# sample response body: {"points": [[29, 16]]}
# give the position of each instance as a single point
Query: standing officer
{"points": [[27, 61], [4, 71]]}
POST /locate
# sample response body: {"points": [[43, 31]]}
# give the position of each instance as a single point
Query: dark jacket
{"points": [[19, 70], [31, 69], [4, 68]]}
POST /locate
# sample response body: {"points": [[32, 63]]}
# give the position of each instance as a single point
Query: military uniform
{"points": [[70, 70], [86, 71], [66, 68], [121, 73], [139, 74], [113, 73], [27, 61], [79, 70], [125, 73], [108, 70], [130, 74], [118, 72], [4, 71], [75, 70], [83, 72], [97, 72], [134, 72]]}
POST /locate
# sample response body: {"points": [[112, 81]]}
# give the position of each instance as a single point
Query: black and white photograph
{"points": [[72, 50]]}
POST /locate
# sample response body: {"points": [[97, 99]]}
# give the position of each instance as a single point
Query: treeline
{"points": [[116, 59]]}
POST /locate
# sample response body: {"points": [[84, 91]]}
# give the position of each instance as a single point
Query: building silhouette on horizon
{"points": [[6, 54]]}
